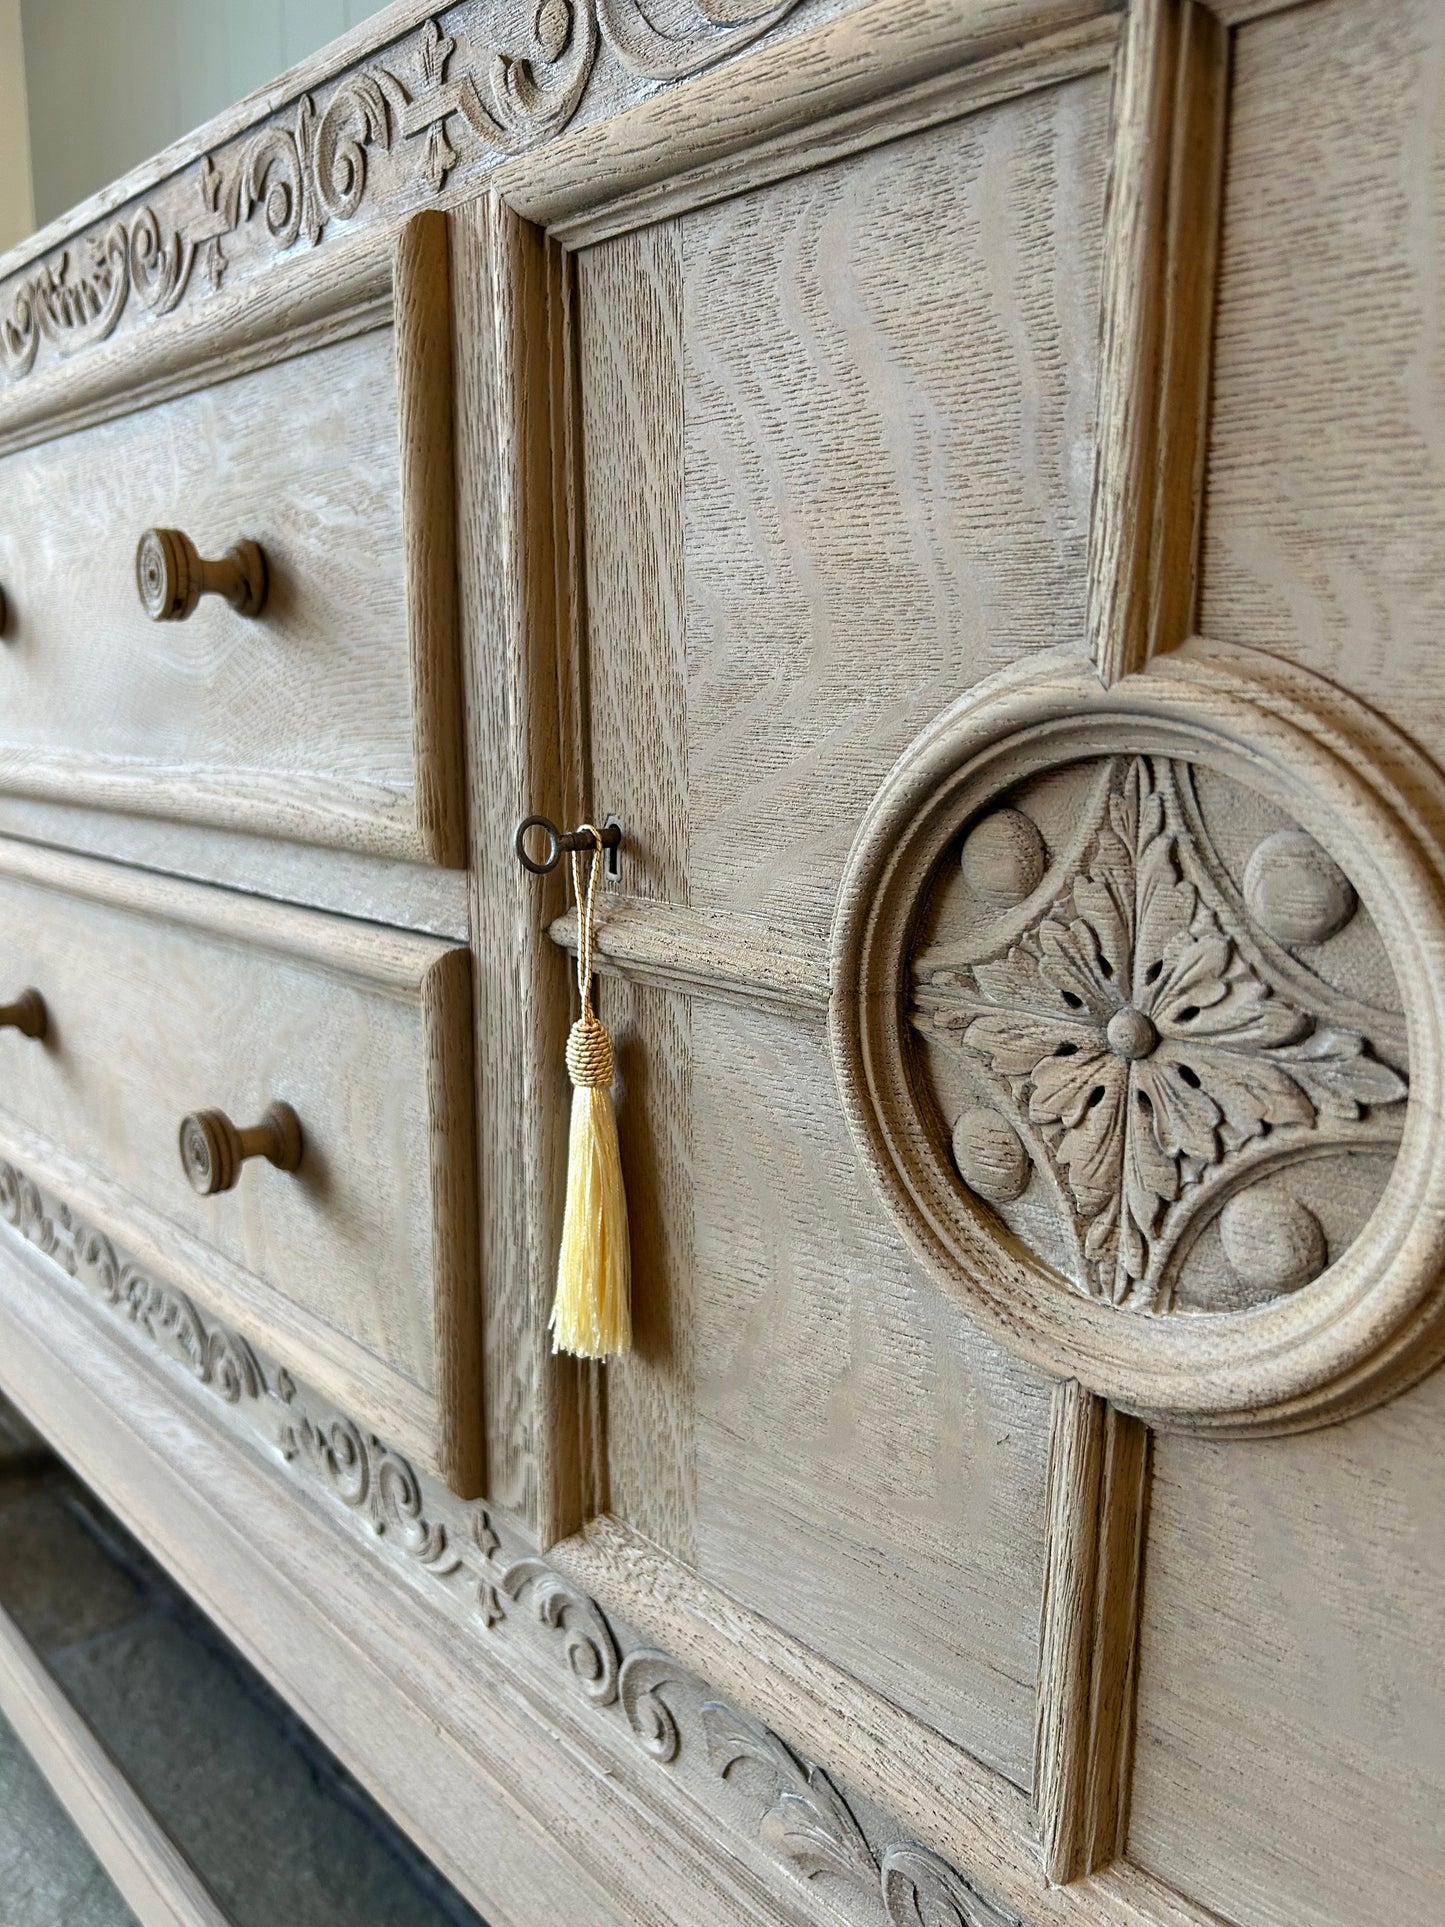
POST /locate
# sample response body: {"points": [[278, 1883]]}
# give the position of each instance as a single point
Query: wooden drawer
{"points": [[167, 998], [317, 424]]}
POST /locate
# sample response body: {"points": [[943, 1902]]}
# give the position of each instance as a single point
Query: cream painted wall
{"points": [[17, 206], [111, 81]]}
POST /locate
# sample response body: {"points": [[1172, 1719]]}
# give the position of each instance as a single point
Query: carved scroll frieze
{"points": [[446, 95], [1136, 1041], [1136, 1000], [216, 1357], [796, 1812]]}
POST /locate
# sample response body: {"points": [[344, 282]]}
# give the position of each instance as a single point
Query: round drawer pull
{"points": [[172, 576], [213, 1150], [26, 1014]]}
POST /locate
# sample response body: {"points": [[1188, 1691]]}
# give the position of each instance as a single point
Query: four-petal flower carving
{"points": [[1141, 1045]]}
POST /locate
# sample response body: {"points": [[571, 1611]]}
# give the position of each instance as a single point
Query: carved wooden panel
{"points": [[1137, 1062], [772, 390]]}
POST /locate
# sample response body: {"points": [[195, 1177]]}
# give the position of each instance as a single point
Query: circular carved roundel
{"points": [[1139, 1022]]}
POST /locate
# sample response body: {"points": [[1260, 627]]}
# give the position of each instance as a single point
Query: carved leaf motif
{"points": [[920, 1890], [644, 1673], [809, 1823], [1140, 1042]]}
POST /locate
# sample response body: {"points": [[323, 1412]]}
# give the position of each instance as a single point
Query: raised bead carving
{"points": [[172, 576], [213, 1150], [26, 1014], [1272, 1242], [1003, 858], [1135, 1036], [1295, 890], [990, 1157]]}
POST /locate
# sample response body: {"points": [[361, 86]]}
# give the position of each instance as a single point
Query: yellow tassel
{"points": [[592, 1315]]}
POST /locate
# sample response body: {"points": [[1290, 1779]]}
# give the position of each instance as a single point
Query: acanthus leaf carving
{"points": [[805, 1821], [1141, 1044]]}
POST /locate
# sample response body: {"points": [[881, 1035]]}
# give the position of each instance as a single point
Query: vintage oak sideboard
{"points": [[963, 483]]}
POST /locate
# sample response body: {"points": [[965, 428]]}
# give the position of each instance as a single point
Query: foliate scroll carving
{"points": [[1137, 1014], [438, 98], [812, 1827], [210, 1353], [1136, 1042], [801, 1817]]}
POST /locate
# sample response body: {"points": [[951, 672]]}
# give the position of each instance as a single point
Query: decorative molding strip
{"points": [[434, 99], [801, 1817], [216, 1357], [1098, 1498], [714, 953]]}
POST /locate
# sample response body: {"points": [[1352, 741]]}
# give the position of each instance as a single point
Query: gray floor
{"points": [[274, 1824]]}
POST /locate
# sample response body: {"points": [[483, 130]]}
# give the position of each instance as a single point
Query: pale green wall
{"points": [[110, 81]]}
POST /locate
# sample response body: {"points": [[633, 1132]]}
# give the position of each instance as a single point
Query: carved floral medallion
{"points": [[1138, 1016], [1134, 1038]]}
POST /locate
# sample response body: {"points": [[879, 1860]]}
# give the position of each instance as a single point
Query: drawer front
{"points": [[330, 715], [165, 999]]}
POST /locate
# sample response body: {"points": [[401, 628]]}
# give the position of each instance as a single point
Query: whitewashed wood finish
{"points": [[516, 546], [1291, 1683], [410, 896], [705, 364], [334, 715], [150, 1872], [871, 1471], [887, 470], [1326, 511], [1088, 1657], [870, 73], [1161, 244], [163, 998]]}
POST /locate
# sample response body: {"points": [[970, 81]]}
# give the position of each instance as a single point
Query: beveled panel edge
{"points": [[445, 1591], [372, 957], [368, 819], [859, 72], [379, 890]]}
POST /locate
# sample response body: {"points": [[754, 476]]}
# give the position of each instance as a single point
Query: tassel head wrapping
{"points": [[592, 1314]]}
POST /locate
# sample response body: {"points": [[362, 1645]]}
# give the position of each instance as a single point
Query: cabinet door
{"points": [[1023, 950]]}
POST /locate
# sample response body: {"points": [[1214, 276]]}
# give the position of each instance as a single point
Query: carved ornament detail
{"points": [[216, 1357], [437, 98], [1137, 1019], [802, 1818], [1138, 1044]]}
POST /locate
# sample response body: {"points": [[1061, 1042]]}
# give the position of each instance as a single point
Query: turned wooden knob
{"points": [[26, 1014], [172, 576], [213, 1150]]}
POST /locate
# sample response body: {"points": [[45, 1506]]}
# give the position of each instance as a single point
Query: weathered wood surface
{"points": [[1291, 1680]]}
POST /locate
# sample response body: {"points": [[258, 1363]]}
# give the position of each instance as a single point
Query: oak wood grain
{"points": [[871, 1469], [1291, 1683], [165, 997], [887, 459], [1326, 504]]}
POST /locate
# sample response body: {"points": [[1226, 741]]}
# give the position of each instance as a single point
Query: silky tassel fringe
{"points": [[592, 1315]]}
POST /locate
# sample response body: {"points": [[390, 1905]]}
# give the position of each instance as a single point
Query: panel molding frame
{"points": [[388, 278]]}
